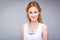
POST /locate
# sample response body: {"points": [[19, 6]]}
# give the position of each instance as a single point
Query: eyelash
{"points": [[30, 12], [34, 12]]}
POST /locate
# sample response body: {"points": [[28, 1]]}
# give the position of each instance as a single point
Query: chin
{"points": [[33, 20]]}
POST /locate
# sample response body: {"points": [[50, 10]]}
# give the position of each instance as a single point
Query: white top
{"points": [[36, 36]]}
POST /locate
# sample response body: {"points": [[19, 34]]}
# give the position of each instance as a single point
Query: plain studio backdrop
{"points": [[13, 15]]}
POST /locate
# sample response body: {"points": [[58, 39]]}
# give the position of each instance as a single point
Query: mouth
{"points": [[33, 17]]}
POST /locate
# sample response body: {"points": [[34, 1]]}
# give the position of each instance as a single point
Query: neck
{"points": [[34, 22]]}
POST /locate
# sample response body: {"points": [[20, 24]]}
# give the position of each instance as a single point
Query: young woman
{"points": [[35, 29]]}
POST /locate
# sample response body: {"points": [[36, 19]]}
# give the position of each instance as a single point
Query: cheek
{"points": [[36, 15], [29, 15]]}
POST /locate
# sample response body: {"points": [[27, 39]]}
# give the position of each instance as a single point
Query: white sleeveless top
{"points": [[36, 36]]}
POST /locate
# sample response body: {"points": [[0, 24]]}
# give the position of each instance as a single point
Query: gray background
{"points": [[13, 15]]}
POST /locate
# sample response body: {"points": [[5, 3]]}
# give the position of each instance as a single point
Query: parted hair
{"points": [[34, 4]]}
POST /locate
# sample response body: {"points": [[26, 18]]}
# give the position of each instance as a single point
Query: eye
{"points": [[35, 11], [30, 12]]}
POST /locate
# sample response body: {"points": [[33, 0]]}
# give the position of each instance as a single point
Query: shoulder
{"points": [[24, 24], [44, 26]]}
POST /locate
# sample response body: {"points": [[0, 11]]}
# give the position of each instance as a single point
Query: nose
{"points": [[33, 14]]}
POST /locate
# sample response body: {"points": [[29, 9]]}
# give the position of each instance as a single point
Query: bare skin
{"points": [[33, 15], [44, 30], [21, 32]]}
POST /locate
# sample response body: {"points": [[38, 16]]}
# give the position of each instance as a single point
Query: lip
{"points": [[33, 17]]}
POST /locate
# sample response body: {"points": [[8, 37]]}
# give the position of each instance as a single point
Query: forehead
{"points": [[33, 9]]}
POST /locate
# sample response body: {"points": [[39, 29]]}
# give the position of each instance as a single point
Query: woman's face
{"points": [[33, 13]]}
